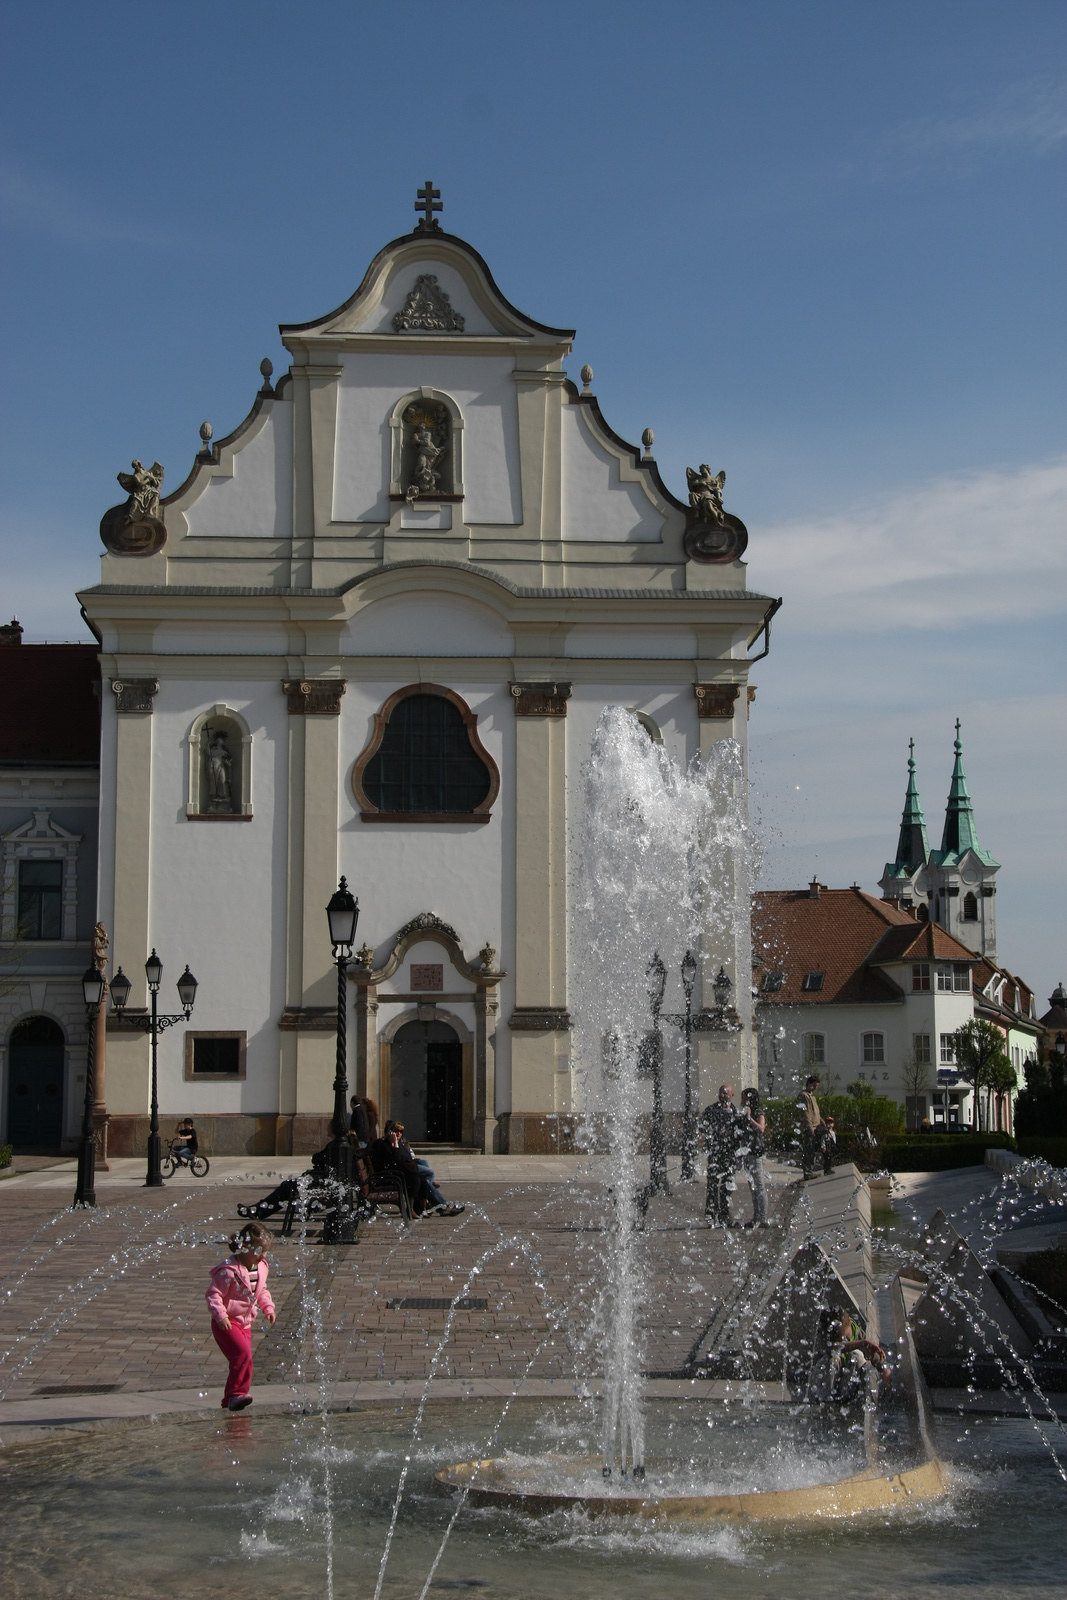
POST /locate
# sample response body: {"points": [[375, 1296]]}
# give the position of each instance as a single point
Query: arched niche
{"points": [[431, 418], [219, 767], [461, 780]]}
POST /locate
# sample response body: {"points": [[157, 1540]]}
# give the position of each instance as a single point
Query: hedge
{"points": [[1054, 1151], [939, 1152], [851, 1116], [6, 1152]]}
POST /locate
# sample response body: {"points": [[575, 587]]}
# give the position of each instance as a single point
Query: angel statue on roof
{"points": [[705, 493], [142, 485]]}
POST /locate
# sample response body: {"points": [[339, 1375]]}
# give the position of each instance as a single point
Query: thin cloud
{"points": [[988, 548], [1027, 115], [32, 200]]}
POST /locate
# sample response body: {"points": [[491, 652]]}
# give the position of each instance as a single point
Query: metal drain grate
{"points": [[79, 1388], [422, 1302]]}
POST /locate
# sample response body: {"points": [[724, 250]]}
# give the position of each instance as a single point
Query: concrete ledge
{"points": [[1031, 1173]]}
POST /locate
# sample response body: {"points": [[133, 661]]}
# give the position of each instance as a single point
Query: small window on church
{"points": [[425, 762], [922, 914], [970, 908]]}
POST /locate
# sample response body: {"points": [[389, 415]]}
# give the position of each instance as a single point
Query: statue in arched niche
{"points": [[427, 437], [219, 771]]}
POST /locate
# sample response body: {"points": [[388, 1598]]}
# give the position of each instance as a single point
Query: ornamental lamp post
{"points": [[342, 913], [154, 1024], [93, 986], [722, 989]]}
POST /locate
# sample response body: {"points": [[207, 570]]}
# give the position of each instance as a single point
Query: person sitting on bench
{"points": [[439, 1203]]}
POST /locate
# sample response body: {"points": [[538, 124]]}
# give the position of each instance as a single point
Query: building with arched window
{"points": [[371, 633]]}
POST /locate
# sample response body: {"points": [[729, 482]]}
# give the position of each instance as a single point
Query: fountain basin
{"points": [[577, 1484]]}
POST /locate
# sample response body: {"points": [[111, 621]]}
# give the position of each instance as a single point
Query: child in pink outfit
{"points": [[237, 1293]]}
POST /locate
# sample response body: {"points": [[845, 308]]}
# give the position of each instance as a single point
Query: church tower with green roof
{"points": [[954, 885]]}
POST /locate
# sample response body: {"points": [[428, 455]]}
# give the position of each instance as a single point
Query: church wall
{"points": [[256, 501], [597, 504], [433, 623], [483, 388]]}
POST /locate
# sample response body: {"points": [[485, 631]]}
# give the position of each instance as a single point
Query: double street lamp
{"points": [[154, 1024], [93, 985], [689, 1022]]}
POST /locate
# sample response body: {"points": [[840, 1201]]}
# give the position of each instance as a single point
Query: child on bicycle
{"points": [[184, 1144], [237, 1293]]}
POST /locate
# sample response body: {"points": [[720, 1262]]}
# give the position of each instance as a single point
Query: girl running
{"points": [[237, 1293]]}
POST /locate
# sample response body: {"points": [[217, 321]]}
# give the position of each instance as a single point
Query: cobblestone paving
{"points": [[116, 1296]]}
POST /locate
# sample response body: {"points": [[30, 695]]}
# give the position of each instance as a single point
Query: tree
{"points": [[980, 1055], [1002, 1081]]}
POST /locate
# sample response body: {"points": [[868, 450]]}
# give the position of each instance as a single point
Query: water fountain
{"points": [[601, 1479]]}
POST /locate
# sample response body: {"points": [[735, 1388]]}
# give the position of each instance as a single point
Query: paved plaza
{"points": [[112, 1300]]}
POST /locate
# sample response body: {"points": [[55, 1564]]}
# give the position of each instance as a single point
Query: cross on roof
{"points": [[429, 201]]}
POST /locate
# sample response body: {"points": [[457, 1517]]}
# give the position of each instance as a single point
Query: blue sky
{"points": [[820, 245]]}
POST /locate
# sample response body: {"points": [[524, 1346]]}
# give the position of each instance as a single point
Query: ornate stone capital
{"points": [[540, 699], [308, 1019], [134, 695], [716, 701], [314, 697], [540, 1019]]}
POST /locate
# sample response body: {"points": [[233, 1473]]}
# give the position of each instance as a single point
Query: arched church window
{"points": [[220, 767], [425, 762], [970, 908], [922, 914]]}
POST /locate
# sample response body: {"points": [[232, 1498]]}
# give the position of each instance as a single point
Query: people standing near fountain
{"points": [[813, 1140], [721, 1125], [237, 1293], [752, 1146]]}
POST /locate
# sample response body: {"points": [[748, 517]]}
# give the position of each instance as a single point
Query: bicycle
{"points": [[179, 1155]]}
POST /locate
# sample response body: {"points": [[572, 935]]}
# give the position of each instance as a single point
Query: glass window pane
{"points": [[40, 911], [425, 762]]}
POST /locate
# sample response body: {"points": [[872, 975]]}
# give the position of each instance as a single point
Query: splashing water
{"points": [[662, 866]]}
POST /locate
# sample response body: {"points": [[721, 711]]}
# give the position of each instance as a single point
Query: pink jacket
{"points": [[230, 1295]]}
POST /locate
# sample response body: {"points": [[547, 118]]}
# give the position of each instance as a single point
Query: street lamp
{"points": [[776, 1041], [93, 993], [652, 1062], [722, 989], [154, 1024], [342, 914]]}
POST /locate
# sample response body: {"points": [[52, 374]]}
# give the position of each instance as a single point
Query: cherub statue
{"points": [[705, 493], [142, 485]]}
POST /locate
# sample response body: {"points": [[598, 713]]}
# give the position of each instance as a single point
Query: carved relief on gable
{"points": [[427, 309]]}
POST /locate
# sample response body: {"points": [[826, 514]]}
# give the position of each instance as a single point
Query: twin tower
{"points": [[953, 886]]}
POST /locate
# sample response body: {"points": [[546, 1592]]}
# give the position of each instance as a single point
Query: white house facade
{"points": [[371, 635]]}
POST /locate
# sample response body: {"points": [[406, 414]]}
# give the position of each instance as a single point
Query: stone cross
{"points": [[429, 201]]}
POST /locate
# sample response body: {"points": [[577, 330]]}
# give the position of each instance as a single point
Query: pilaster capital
{"points": [[134, 696], [716, 701], [540, 699], [314, 697]]}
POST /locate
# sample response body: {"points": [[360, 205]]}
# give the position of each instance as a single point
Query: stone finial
{"points": [[206, 430], [487, 955], [365, 956], [266, 367], [587, 378], [648, 439]]}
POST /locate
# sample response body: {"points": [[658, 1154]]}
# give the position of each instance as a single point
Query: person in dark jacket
{"points": [[720, 1125], [389, 1157], [751, 1148], [363, 1123]]}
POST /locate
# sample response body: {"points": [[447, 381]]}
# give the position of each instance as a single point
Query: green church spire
{"points": [[913, 847], [960, 833]]}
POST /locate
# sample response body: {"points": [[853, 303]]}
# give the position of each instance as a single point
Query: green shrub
{"points": [[852, 1118], [6, 1151], [940, 1152], [1054, 1151]]}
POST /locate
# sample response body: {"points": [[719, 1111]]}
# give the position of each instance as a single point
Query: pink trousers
{"points": [[236, 1345]]}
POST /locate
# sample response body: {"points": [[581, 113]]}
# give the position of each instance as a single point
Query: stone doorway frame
{"points": [[464, 1038], [371, 1059]]}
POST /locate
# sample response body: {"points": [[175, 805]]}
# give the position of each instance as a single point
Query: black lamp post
{"points": [[342, 913], [652, 1062], [154, 1024], [689, 1024], [85, 1193], [722, 989]]}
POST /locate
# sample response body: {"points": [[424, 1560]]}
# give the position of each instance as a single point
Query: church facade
{"points": [[371, 634]]}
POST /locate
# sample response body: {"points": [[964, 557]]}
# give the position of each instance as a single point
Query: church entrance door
{"points": [[426, 1082], [35, 1084]]}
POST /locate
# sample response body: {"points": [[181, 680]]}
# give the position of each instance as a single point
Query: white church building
{"points": [[371, 634]]}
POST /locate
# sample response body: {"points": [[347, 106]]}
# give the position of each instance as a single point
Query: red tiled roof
{"points": [[834, 933], [920, 941], [49, 703]]}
